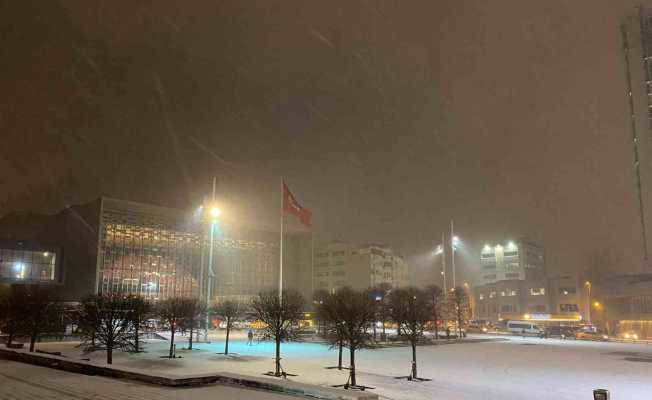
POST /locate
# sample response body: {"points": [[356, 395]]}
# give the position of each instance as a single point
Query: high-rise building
{"points": [[340, 264], [637, 45]]}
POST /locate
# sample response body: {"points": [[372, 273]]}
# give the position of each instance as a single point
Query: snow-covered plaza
{"points": [[505, 368]]}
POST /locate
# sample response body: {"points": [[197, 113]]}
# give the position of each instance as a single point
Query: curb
{"points": [[224, 378]]}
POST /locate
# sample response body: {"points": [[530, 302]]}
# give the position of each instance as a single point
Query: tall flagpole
{"points": [[280, 274]]}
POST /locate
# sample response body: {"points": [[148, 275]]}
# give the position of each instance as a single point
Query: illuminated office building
{"points": [[117, 246]]}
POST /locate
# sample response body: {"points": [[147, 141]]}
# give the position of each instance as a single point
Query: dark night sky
{"points": [[386, 118]]}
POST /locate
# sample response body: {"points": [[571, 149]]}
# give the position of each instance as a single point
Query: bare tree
{"points": [[105, 323], [318, 298], [195, 311], [357, 312], [280, 317], [11, 313], [140, 309], [436, 299], [230, 311], [460, 306], [411, 311], [329, 313], [381, 295], [173, 310], [41, 312]]}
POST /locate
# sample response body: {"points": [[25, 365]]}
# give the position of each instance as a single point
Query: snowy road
{"points": [[26, 382]]}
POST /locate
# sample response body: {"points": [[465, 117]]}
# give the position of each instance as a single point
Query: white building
{"points": [[340, 264]]}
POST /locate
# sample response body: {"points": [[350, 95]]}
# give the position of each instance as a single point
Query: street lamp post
{"points": [[453, 240], [441, 249], [588, 301], [214, 214]]}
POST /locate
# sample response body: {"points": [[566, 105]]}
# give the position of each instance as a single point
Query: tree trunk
{"points": [[384, 334], [339, 359], [459, 325], [278, 355], [190, 337], [93, 339], [136, 334], [352, 353], [10, 339], [435, 314], [109, 354], [32, 340], [228, 330], [171, 342], [374, 330], [414, 359]]}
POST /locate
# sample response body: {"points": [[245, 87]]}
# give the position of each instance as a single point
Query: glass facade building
{"points": [[147, 251], [117, 246]]}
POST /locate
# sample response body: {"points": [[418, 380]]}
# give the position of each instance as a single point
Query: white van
{"points": [[523, 327]]}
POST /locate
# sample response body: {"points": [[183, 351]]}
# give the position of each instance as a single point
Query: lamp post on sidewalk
{"points": [[588, 285], [441, 251]]}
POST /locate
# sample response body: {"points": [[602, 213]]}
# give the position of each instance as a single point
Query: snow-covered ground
{"points": [[516, 368], [28, 382]]}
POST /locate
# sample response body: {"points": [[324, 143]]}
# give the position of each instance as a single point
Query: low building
{"points": [[340, 264], [117, 246], [623, 303]]}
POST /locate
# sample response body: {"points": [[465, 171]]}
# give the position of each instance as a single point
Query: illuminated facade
{"points": [[145, 250], [117, 246]]}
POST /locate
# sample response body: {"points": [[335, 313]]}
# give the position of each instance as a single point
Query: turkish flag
{"points": [[292, 206]]}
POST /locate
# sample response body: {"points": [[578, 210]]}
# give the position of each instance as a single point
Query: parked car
{"points": [[591, 335], [629, 335], [477, 329], [563, 332]]}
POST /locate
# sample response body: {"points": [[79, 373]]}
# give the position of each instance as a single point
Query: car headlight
{"points": [[605, 337], [484, 329], [634, 336], [627, 336]]}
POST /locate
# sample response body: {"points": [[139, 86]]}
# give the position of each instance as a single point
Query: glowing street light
{"points": [[215, 212]]}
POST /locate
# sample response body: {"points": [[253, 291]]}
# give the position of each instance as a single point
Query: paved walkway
{"points": [[25, 382]]}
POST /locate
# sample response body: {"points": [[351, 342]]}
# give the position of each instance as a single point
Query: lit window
{"points": [[537, 291]]}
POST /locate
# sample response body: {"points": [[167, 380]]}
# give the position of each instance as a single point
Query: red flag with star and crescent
{"points": [[292, 206]]}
